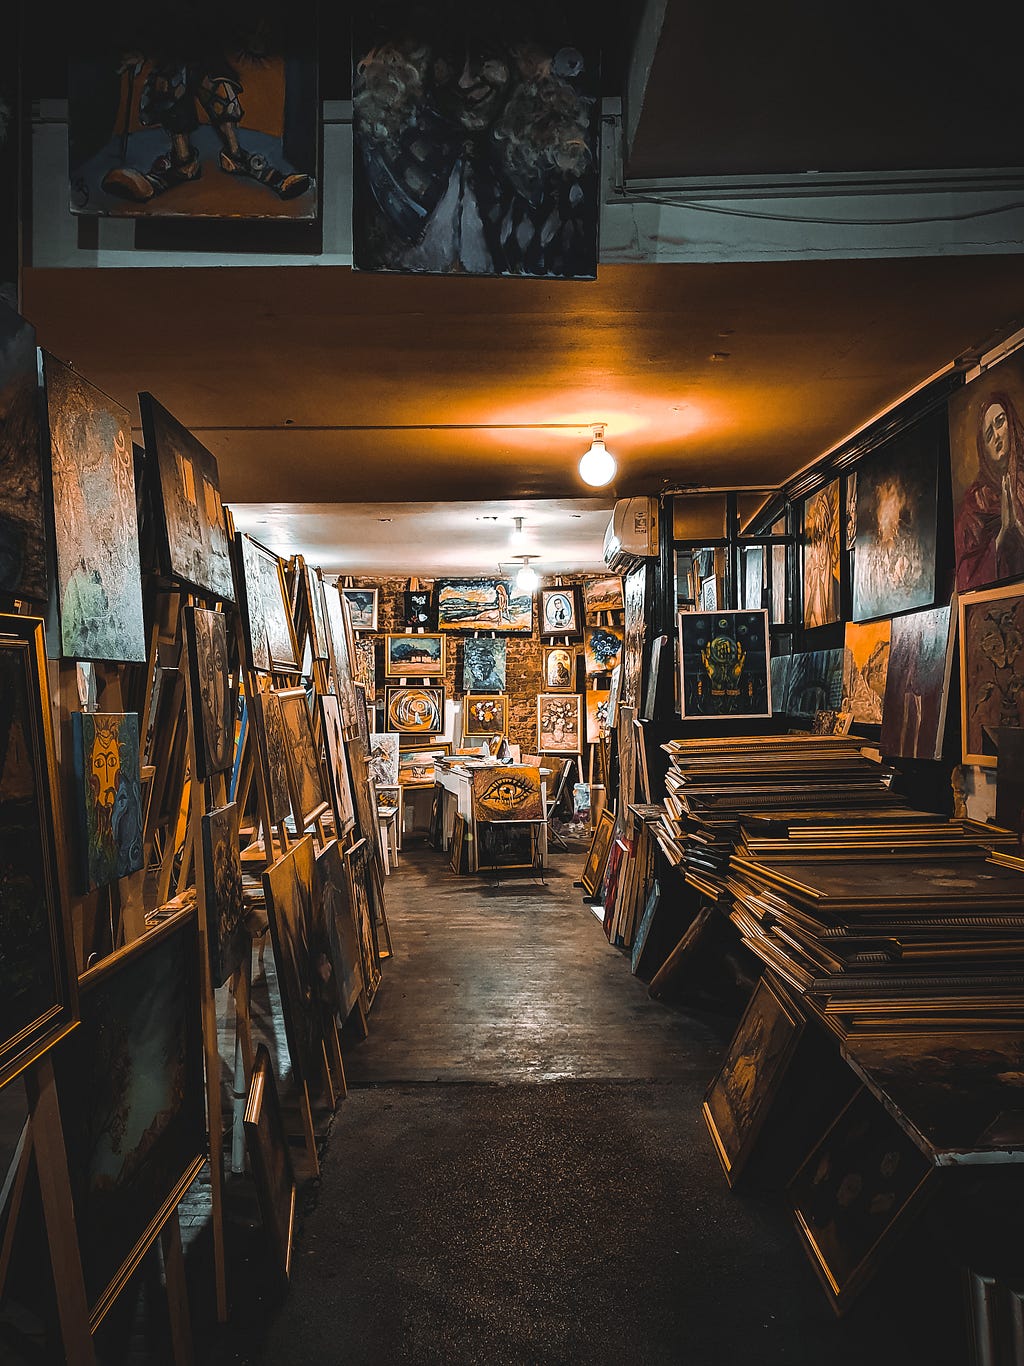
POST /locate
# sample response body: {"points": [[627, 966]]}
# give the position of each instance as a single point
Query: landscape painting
{"points": [[213, 710], [485, 716], [290, 887], [484, 605], [414, 656], [109, 796], [414, 711], [917, 684], [991, 667], [22, 535], [99, 579], [602, 594], [362, 607], [484, 664], [865, 665], [304, 779], [226, 932], [602, 648], [559, 723], [559, 612], [821, 556], [507, 793], [723, 664]]}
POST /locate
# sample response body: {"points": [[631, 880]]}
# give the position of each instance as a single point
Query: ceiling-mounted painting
{"points": [[22, 540], [477, 139], [484, 605], [821, 556], [208, 112]]}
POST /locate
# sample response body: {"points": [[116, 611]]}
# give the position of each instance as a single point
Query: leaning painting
{"points": [[109, 795], [991, 667], [917, 684], [206, 640], [226, 931], [22, 540], [865, 665]]}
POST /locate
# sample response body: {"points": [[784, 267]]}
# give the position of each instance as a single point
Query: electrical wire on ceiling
{"points": [[701, 206]]}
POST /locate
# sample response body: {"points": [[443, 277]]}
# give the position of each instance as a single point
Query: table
{"points": [[457, 783]]}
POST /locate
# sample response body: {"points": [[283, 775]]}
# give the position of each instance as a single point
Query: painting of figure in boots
{"points": [[207, 113]]}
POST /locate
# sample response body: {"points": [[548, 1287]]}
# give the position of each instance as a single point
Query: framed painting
{"points": [[365, 667], [218, 120], [305, 782], [602, 649], [597, 855], [414, 656], [559, 612], [986, 452], [337, 763], [634, 634], [991, 667], [484, 664], [22, 516], [38, 985], [917, 684], [313, 590], [897, 522], [507, 793], [359, 872], [598, 723], [484, 605], [333, 896], [558, 670], [456, 854], [384, 758], [185, 491], [266, 1143], [485, 715], [865, 665], [109, 796], [707, 598], [602, 594], [265, 611], [559, 723], [417, 765], [213, 702], [822, 531], [290, 889], [741, 1095], [414, 710], [132, 1101], [340, 643], [362, 607], [723, 664], [418, 609], [226, 932], [268, 724], [98, 591], [637, 965]]}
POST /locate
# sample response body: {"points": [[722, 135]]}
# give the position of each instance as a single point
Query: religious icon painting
{"points": [[414, 711], [22, 520], [822, 532], [415, 655], [109, 792], [487, 715], [559, 723], [484, 664], [226, 931], [213, 711], [507, 793], [484, 605], [559, 669], [603, 594], [362, 607], [559, 612], [723, 664], [602, 649], [99, 579]]}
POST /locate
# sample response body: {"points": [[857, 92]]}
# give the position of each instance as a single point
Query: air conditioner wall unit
{"points": [[632, 533]]}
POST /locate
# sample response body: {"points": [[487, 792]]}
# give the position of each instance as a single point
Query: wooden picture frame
{"points": [[597, 855], [602, 594], [559, 723], [415, 655], [418, 609], [105, 757], [483, 605], [558, 668], [268, 726], [559, 612], [484, 664], [270, 634], [359, 870], [414, 710], [305, 780], [271, 1161], [227, 935], [338, 776], [991, 675], [213, 701], [485, 714], [723, 665], [313, 589], [363, 606]]}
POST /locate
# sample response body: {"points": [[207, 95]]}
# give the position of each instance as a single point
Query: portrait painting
{"points": [[109, 796], [191, 530], [414, 711], [265, 609], [598, 722], [815, 682], [741, 1095], [602, 594], [364, 670], [917, 684], [559, 723], [507, 793], [22, 520], [38, 995], [991, 667], [266, 1142], [723, 664], [362, 607], [337, 763], [173, 117], [822, 531], [897, 514], [99, 579], [602, 647], [414, 656], [484, 664], [213, 703], [484, 605], [476, 141], [332, 893], [131, 1094], [384, 758], [418, 609], [289, 886], [633, 636], [559, 612], [986, 452], [268, 724], [359, 873], [865, 665], [558, 673], [226, 933], [305, 784], [485, 715]]}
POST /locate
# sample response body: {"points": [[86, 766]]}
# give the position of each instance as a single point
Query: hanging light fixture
{"points": [[526, 579], [518, 536], [597, 465]]}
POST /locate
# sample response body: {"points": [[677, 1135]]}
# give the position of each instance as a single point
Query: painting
{"points": [[598, 723], [486, 715], [602, 648], [131, 1095], [266, 1143], [359, 872], [500, 844], [507, 793], [109, 796], [22, 519], [305, 784], [897, 512], [865, 665], [633, 637], [752, 583], [484, 605], [484, 664], [821, 556], [364, 669], [723, 664], [991, 667], [559, 612], [476, 141], [226, 932], [602, 594], [213, 704], [414, 711], [558, 672], [268, 619], [211, 115], [643, 931], [270, 737], [414, 656], [559, 723], [417, 765], [337, 763], [185, 484], [290, 889], [917, 684], [418, 609], [332, 895], [99, 579], [362, 607], [778, 576], [315, 612], [741, 1095], [384, 759], [38, 996], [779, 670], [340, 644], [597, 855], [986, 451], [815, 682]]}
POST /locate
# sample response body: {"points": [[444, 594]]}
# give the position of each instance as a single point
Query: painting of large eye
{"points": [[506, 793]]}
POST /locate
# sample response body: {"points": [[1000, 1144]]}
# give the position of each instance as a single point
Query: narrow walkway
{"points": [[521, 1174]]}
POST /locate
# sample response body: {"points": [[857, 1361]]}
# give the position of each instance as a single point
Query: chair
{"points": [[556, 788]]}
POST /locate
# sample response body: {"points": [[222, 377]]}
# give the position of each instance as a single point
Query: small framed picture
{"points": [[362, 606], [486, 715], [414, 656], [418, 608], [559, 668], [559, 612], [559, 723], [414, 711]]}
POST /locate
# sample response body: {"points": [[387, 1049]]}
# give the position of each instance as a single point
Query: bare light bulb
{"points": [[518, 536], [597, 465], [526, 579]]}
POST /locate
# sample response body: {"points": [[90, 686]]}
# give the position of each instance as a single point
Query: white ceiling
{"points": [[562, 536]]}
